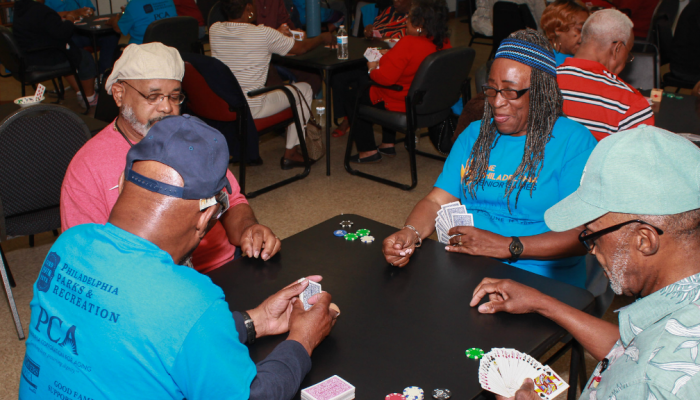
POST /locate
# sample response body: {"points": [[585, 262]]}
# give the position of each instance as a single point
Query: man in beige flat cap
{"points": [[146, 85]]}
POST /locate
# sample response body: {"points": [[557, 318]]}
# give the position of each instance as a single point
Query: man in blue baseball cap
{"points": [[639, 201], [116, 314]]}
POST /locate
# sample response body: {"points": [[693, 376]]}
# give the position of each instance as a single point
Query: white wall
{"points": [[452, 5], [104, 6]]}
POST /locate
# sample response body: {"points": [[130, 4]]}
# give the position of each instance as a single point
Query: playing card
{"points": [[548, 384], [298, 35], [372, 54], [333, 388], [375, 33], [460, 219], [40, 89], [312, 289]]}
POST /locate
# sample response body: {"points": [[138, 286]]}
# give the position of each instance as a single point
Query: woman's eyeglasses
{"points": [[508, 94]]}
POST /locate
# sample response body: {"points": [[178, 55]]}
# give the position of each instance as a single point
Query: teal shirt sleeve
{"points": [[579, 147], [126, 21], [450, 180], [213, 363]]}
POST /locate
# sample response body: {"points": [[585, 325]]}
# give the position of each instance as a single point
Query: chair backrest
{"points": [[181, 33], [437, 84], [481, 77], [664, 39], [507, 18], [205, 7], [666, 10], [106, 109], [36, 145], [201, 100], [10, 53], [643, 72], [216, 14]]}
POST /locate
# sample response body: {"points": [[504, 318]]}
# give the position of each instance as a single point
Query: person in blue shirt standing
{"points": [[118, 314], [138, 14], [106, 43], [509, 168]]}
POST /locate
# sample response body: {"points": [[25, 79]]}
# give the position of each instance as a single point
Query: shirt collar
{"points": [[588, 65], [649, 310]]}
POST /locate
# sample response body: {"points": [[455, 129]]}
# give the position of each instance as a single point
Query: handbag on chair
{"points": [[314, 131], [441, 135]]}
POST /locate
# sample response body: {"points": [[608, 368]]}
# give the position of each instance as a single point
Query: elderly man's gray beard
{"points": [[128, 114], [618, 266]]}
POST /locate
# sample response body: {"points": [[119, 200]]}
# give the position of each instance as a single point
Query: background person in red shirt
{"points": [[426, 33], [188, 8], [593, 94]]}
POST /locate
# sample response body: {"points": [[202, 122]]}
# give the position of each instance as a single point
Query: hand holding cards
{"points": [[451, 215], [502, 371], [372, 54], [312, 289]]}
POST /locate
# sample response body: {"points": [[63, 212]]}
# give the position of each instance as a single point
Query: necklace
{"points": [[116, 128]]}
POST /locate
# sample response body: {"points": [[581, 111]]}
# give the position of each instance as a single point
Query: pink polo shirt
{"points": [[89, 192]]}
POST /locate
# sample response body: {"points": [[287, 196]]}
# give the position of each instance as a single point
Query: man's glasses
{"points": [[588, 239], [158, 98], [508, 94], [630, 56]]}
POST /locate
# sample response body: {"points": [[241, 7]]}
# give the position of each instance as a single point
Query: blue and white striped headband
{"points": [[529, 54]]}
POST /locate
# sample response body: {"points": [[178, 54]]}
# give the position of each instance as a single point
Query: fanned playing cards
{"points": [[451, 215], [333, 388], [502, 371]]}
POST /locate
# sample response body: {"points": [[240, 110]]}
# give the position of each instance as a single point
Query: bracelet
{"points": [[413, 228], [249, 327]]}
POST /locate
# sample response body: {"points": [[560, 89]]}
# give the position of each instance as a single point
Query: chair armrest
{"points": [[258, 92], [397, 88], [64, 52]]}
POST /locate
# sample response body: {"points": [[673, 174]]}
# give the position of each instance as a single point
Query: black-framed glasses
{"points": [[588, 239], [222, 198], [158, 98], [630, 56], [508, 94]]}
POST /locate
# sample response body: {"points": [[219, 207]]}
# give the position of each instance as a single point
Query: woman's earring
{"points": [[250, 16], [420, 30]]}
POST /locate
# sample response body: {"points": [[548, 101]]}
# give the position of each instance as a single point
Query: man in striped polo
{"points": [[593, 93]]}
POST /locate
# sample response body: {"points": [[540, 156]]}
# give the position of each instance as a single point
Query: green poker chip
{"points": [[362, 232], [351, 236], [474, 353]]}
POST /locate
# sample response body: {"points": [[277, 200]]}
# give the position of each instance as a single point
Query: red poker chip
{"points": [[394, 396]]}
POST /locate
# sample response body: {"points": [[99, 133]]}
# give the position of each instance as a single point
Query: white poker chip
{"points": [[367, 239], [413, 393]]}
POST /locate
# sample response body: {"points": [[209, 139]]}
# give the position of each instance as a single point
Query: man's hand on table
{"points": [[507, 295], [259, 241], [526, 392], [478, 242], [284, 29], [271, 317], [310, 327], [399, 247]]}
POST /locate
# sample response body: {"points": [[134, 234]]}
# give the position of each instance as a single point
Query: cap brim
{"points": [[570, 213]]}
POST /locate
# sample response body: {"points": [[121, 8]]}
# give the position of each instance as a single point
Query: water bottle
{"points": [[342, 43], [321, 114]]}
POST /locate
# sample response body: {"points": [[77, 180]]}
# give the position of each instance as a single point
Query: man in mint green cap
{"points": [[639, 200]]}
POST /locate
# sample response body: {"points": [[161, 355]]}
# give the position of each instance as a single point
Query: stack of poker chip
{"points": [[474, 353], [413, 393]]}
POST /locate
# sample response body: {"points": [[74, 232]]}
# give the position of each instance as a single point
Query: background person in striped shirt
{"points": [[593, 93]]}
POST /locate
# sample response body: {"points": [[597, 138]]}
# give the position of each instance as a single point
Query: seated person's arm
{"points": [[369, 29], [306, 45], [391, 66], [594, 334], [114, 21], [244, 231]]}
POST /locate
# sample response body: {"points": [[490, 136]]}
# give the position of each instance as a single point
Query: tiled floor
{"points": [[287, 211]]}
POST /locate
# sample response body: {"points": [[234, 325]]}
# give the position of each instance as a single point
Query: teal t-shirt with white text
{"points": [[140, 13], [114, 318], [565, 156]]}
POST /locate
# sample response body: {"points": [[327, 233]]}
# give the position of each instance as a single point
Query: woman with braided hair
{"points": [[509, 168]]}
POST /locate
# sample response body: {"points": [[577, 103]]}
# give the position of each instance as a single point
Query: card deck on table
{"points": [[333, 388], [451, 215], [502, 371], [312, 289]]}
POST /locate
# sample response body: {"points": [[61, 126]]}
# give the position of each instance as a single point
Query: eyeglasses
{"points": [[222, 198], [158, 98], [630, 56], [508, 94], [588, 239]]}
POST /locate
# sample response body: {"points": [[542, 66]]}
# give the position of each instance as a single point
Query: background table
{"points": [[326, 61], [677, 115], [94, 29], [398, 326]]}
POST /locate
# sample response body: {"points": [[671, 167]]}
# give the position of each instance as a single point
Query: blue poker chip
{"points": [[340, 233]]}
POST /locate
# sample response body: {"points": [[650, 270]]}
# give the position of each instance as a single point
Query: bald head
{"points": [[175, 225]]}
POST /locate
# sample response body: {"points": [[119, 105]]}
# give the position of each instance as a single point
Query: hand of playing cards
{"points": [[502, 371], [372, 54], [451, 215]]}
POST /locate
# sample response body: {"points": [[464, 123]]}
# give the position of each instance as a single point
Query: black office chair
{"points": [[665, 38], [216, 14], [181, 33], [205, 7], [106, 109], [441, 79], [666, 10], [508, 18], [12, 57], [643, 72], [36, 145]]}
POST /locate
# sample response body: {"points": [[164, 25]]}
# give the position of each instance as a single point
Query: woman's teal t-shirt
{"points": [[565, 156]]}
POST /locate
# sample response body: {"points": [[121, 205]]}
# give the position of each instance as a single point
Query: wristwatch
{"points": [[249, 327], [516, 249]]}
